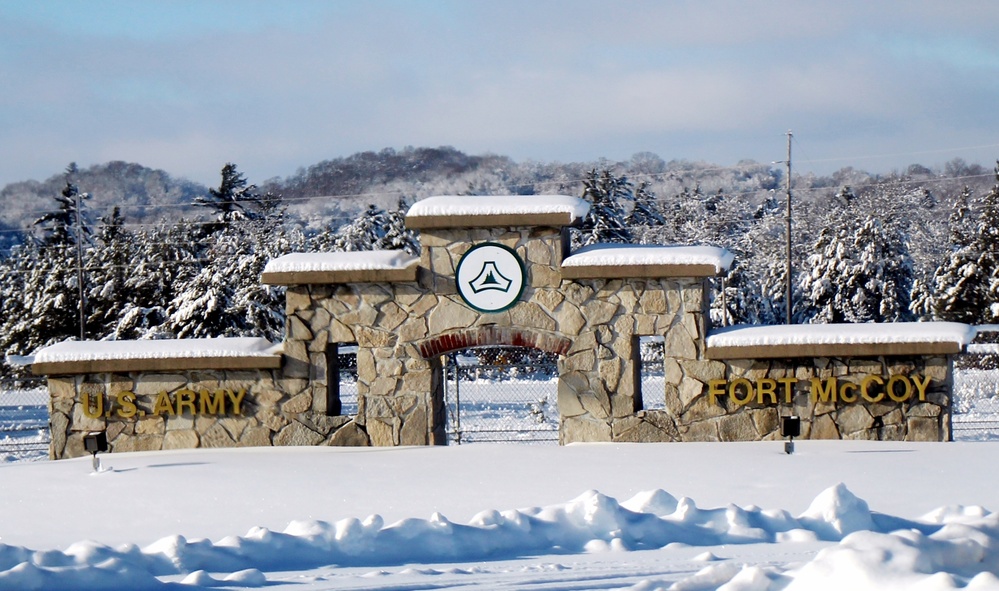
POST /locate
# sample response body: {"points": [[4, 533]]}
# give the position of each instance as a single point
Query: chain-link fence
{"points": [[24, 421], [652, 353], [504, 394], [976, 392]]}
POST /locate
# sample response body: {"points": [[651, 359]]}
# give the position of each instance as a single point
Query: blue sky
{"points": [[187, 86]]}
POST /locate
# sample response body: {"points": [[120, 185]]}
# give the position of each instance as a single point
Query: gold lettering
{"points": [[185, 399], [822, 393], [766, 387], [126, 405], [212, 405], [891, 388], [237, 400], [163, 405], [733, 391], [865, 386], [99, 406], [788, 384], [921, 386], [845, 388]]}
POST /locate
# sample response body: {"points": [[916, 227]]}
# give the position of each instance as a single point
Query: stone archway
{"points": [[491, 335], [435, 347]]}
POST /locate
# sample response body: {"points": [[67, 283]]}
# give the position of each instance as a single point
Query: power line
{"points": [[896, 154]]}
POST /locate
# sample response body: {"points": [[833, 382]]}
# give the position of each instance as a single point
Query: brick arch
{"points": [[482, 336]]}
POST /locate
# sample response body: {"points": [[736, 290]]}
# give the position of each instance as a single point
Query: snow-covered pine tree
{"points": [[880, 286], [48, 308], [685, 222], [987, 237], [397, 235], [821, 300], [255, 308], [20, 290], [605, 220], [743, 299], [59, 227], [375, 229], [106, 269], [235, 200], [859, 273], [48, 271], [166, 259], [958, 285], [646, 211], [202, 306]]}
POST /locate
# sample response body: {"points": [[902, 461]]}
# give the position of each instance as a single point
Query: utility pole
{"points": [[788, 294]]}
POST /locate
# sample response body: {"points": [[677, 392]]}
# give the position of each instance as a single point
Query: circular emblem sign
{"points": [[490, 277]]}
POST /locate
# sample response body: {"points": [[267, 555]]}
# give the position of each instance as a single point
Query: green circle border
{"points": [[516, 257]]}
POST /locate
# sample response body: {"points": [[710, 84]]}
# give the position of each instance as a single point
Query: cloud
{"points": [[272, 90]]}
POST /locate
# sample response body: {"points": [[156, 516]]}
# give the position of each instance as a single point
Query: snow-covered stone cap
{"points": [[839, 340], [341, 267], [638, 260], [77, 357], [464, 211]]}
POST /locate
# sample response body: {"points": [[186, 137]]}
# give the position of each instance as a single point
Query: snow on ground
{"points": [[835, 515]]}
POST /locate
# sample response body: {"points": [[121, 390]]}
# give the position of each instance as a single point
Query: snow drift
{"points": [[949, 548]]}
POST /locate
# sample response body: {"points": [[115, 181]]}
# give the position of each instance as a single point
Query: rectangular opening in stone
{"points": [[341, 379], [652, 380]]}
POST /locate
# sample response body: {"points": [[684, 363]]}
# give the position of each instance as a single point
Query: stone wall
{"points": [[698, 416], [256, 408], [401, 329]]}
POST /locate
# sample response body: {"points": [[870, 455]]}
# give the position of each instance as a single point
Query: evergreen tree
{"points": [[966, 284], [235, 200], [743, 299], [605, 220], [49, 271], [107, 263], [646, 211], [165, 260], [47, 310], [881, 281], [988, 241], [858, 273], [60, 227], [375, 229], [957, 290]]}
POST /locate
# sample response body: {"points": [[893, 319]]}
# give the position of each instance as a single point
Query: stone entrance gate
{"points": [[499, 271], [405, 312]]}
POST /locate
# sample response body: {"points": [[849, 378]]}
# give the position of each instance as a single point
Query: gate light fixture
{"points": [[95, 442], [790, 427]]}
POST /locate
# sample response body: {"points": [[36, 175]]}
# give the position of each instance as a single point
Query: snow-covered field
{"points": [[736, 516], [835, 515]]}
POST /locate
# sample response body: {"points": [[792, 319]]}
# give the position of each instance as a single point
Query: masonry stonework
{"points": [[403, 313], [401, 330], [244, 409], [692, 414]]}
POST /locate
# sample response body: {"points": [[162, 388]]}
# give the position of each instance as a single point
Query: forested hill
{"points": [[142, 194], [164, 257], [333, 191]]}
